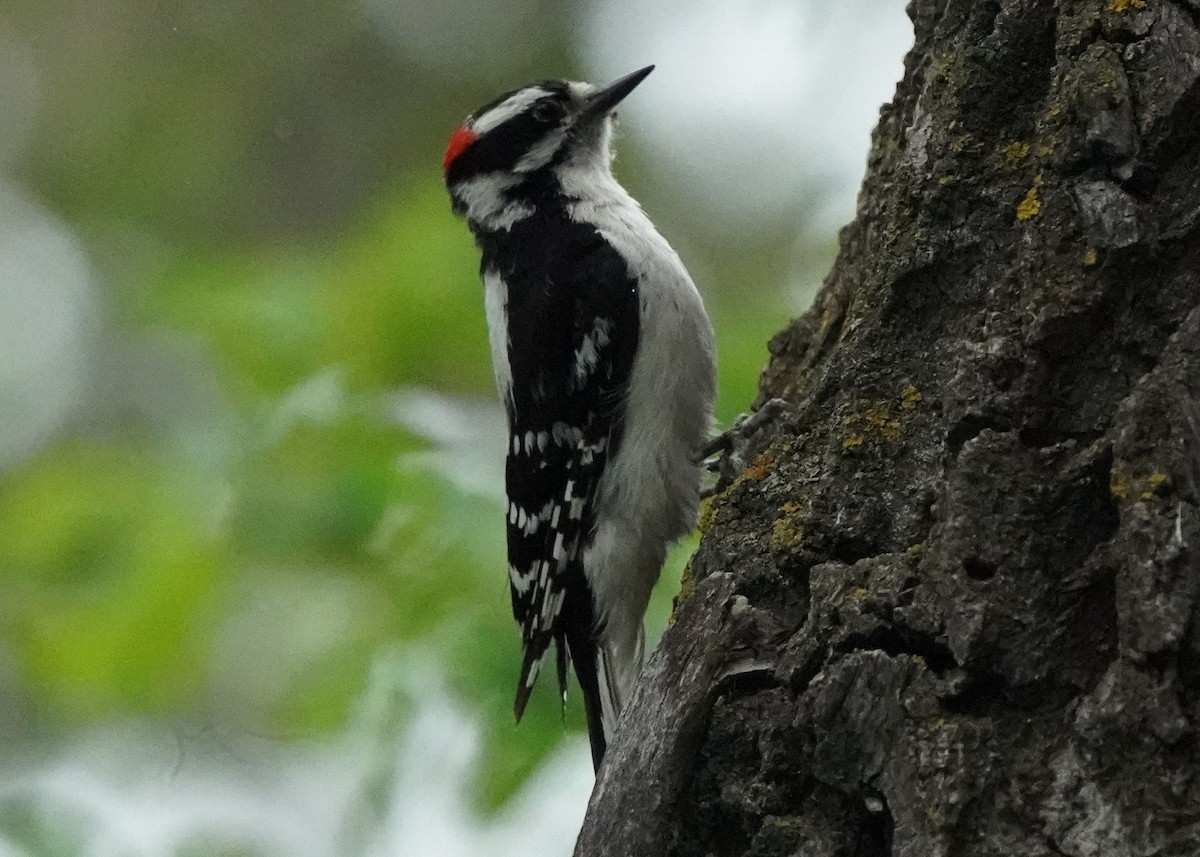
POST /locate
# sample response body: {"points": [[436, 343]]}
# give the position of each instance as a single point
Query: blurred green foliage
{"points": [[235, 530], [106, 571]]}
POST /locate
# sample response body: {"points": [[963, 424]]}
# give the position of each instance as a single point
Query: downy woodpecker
{"points": [[603, 357]]}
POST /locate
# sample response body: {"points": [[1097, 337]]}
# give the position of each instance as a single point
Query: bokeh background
{"points": [[252, 586]]}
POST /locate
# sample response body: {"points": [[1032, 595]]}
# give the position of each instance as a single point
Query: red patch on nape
{"points": [[459, 141]]}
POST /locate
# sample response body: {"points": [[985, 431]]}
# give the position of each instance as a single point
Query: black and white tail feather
{"points": [[603, 357]]}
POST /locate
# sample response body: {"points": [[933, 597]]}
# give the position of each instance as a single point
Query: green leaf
{"points": [[403, 304], [108, 576]]}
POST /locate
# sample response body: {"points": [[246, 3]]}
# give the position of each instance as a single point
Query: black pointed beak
{"points": [[601, 102]]}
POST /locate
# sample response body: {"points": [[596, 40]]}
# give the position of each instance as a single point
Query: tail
{"points": [[531, 663], [589, 668], [606, 677]]}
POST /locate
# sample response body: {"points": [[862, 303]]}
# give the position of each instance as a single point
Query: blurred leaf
{"points": [[212, 845], [258, 314], [742, 330], [484, 659], [107, 579], [404, 305], [38, 831], [319, 490], [321, 700]]}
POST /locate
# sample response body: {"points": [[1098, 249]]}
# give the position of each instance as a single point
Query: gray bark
{"points": [[952, 607]]}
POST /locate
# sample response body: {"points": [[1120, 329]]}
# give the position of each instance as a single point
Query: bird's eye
{"points": [[547, 111]]}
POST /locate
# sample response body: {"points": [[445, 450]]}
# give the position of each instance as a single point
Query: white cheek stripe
{"points": [[485, 198], [540, 154], [515, 104]]}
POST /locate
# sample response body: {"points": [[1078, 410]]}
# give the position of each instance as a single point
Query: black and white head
{"points": [[523, 143]]}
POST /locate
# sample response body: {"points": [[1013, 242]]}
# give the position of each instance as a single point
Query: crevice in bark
{"points": [[969, 427], [1054, 849], [747, 682], [977, 569], [1044, 437], [878, 826], [977, 694], [894, 641]]}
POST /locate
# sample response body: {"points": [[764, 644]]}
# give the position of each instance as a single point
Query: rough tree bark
{"points": [[952, 607]]}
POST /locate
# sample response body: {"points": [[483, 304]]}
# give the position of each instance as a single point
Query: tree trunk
{"points": [[952, 607]]}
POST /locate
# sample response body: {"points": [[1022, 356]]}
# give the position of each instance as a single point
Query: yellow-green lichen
{"points": [[687, 582], [1123, 485], [1153, 482], [1090, 257], [1031, 205], [946, 181], [707, 516], [915, 551], [1015, 152], [787, 533], [1118, 484], [961, 143], [951, 70], [687, 585], [880, 418], [858, 593]]}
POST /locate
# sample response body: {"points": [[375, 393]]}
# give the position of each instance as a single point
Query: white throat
{"points": [[486, 201], [585, 178]]}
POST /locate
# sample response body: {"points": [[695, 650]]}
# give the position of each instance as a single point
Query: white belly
{"points": [[649, 492]]}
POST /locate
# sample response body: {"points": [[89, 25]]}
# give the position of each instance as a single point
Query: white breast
{"points": [[649, 492]]}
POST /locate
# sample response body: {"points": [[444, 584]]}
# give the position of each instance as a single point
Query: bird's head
{"points": [[527, 134]]}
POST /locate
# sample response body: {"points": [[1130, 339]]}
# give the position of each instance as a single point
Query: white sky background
{"points": [[757, 107]]}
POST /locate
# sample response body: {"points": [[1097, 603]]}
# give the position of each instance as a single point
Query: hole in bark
{"points": [[1038, 437], [1052, 844], [971, 426], [1045, 436], [747, 682], [878, 826], [977, 694], [1161, 663], [1039, 695], [891, 641], [977, 569]]}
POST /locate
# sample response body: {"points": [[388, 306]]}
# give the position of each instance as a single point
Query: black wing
{"points": [[573, 328]]}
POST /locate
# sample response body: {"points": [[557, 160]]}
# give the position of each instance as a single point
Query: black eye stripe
{"points": [[502, 146], [547, 110]]}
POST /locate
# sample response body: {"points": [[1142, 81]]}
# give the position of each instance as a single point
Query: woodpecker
{"points": [[603, 358]]}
